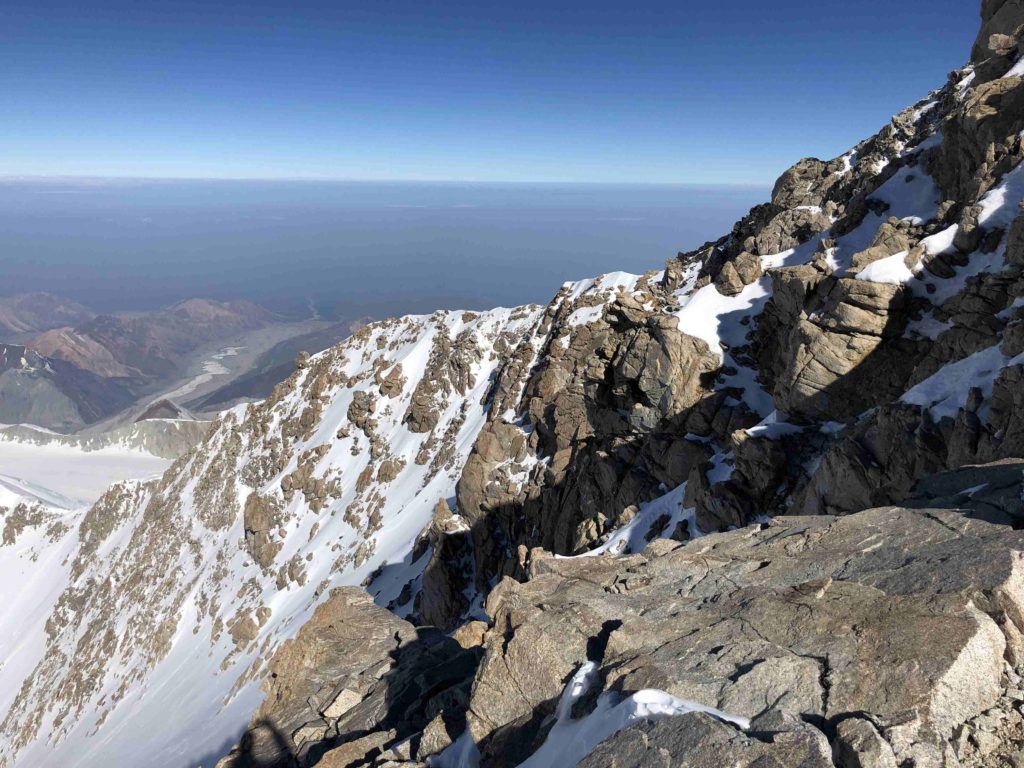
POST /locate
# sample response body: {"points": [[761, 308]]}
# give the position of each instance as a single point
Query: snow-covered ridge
{"points": [[176, 590], [73, 471], [166, 438]]}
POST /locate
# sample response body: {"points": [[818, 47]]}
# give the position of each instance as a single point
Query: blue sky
{"points": [[632, 91]]}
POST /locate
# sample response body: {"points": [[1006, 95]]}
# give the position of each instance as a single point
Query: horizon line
{"points": [[82, 178]]}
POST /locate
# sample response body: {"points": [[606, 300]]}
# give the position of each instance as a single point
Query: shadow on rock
{"points": [[420, 704], [245, 755]]}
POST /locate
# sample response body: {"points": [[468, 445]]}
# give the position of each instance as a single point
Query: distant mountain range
{"points": [[31, 313], [149, 345], [67, 367]]}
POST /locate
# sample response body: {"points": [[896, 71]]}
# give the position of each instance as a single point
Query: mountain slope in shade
{"points": [[139, 353], [82, 351], [55, 394], [153, 344]]}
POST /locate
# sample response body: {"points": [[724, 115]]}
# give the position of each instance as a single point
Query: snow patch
{"points": [[569, 740], [912, 195], [1000, 205], [892, 270], [716, 319], [637, 533], [1017, 70], [774, 426], [945, 392]]}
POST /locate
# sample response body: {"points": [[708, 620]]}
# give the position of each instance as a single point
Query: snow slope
{"points": [[160, 619], [79, 476]]}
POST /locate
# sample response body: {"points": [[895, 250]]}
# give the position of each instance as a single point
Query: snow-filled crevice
{"points": [[569, 739]]}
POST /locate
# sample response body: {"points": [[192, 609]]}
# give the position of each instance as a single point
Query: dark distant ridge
{"points": [[55, 394]]}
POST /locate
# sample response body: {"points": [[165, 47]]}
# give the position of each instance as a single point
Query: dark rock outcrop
{"points": [[612, 410], [355, 681]]}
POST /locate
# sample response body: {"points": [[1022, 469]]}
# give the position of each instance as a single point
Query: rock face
{"points": [[819, 618], [843, 349], [701, 741], [356, 675], [609, 408], [988, 492], [810, 630]]}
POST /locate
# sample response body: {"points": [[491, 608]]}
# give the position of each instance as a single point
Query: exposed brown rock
{"points": [[816, 619], [355, 680]]}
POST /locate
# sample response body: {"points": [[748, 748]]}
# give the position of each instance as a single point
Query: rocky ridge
{"points": [[165, 438]]}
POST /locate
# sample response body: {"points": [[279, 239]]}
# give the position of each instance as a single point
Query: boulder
{"points": [[806, 184], [697, 740], [738, 273], [790, 229], [356, 679]]}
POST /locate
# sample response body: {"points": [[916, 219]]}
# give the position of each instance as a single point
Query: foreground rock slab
{"points": [[891, 637], [889, 631], [355, 680]]}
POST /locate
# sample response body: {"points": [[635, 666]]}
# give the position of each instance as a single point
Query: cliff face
{"points": [[854, 343]]}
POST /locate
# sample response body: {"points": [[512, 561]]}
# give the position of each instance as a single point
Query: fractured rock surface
{"points": [[821, 618]]}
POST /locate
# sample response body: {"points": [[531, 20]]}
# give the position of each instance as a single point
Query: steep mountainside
{"points": [[525, 480]]}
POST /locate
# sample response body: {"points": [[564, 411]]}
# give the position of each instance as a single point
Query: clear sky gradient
{"points": [[676, 91]]}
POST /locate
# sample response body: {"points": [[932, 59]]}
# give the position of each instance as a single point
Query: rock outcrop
{"points": [[817, 618], [355, 681], [803, 638]]}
